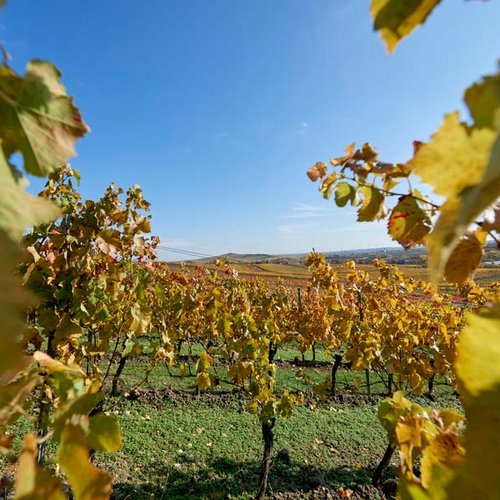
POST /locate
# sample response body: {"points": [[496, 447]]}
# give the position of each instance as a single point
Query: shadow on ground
{"points": [[224, 478]]}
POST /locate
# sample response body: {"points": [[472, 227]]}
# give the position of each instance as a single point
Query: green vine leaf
{"points": [[344, 193], [372, 204], [37, 118], [13, 303], [104, 433], [19, 209], [396, 19], [483, 101]]}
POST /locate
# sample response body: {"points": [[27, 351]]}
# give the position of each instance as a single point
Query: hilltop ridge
{"points": [[394, 255]]}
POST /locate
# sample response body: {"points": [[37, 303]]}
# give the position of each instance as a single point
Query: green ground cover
{"points": [[209, 448]]}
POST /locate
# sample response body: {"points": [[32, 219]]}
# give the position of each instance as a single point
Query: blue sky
{"points": [[216, 108]]}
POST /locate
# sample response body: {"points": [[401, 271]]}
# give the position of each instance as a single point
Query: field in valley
{"points": [[298, 275]]}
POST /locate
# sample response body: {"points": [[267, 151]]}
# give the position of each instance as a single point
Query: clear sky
{"points": [[218, 107]]}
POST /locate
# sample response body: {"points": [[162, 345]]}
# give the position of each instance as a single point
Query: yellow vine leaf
{"points": [[18, 210], [476, 199], [443, 455], [139, 321], [87, 482], [349, 155], [455, 158], [483, 100], [478, 372], [13, 394], [396, 19], [466, 257], [478, 356], [287, 403], [104, 433], [203, 381], [390, 411], [441, 477], [433, 437], [204, 362], [32, 481], [144, 226], [456, 162], [327, 185], [240, 371], [52, 365]]}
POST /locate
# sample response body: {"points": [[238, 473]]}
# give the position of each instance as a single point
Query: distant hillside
{"points": [[292, 270], [362, 256], [247, 258], [393, 255]]}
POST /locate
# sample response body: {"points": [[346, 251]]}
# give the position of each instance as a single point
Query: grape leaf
{"points": [[442, 457], [13, 302], [203, 381], [390, 410], [411, 491], [372, 204], [104, 433], [19, 209], [465, 258], [32, 481], [13, 395], [476, 199], [344, 192], [483, 101], [139, 320], [456, 214], [408, 224], [317, 171], [87, 482], [37, 118], [478, 373], [53, 366], [477, 366], [456, 162], [327, 185], [396, 19], [455, 158], [81, 405], [441, 477]]}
